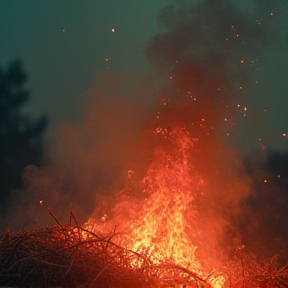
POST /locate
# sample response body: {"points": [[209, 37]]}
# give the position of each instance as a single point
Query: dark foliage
{"points": [[20, 136]]}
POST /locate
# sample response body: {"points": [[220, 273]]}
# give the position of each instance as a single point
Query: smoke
{"points": [[84, 159], [207, 60], [219, 54]]}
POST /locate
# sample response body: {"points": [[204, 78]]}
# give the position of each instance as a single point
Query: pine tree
{"points": [[21, 137]]}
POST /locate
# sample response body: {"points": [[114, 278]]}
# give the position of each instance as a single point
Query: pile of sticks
{"points": [[71, 256], [256, 271], [68, 256]]}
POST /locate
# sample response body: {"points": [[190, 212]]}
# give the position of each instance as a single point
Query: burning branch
{"points": [[250, 271]]}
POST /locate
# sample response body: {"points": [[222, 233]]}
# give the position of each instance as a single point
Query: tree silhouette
{"points": [[21, 138]]}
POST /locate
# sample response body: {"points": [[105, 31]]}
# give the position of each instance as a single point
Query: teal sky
{"points": [[63, 44]]}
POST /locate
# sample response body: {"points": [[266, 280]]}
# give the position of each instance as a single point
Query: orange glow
{"points": [[164, 227]]}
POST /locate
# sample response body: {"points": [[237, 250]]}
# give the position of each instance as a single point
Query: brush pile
{"points": [[65, 256], [74, 257], [251, 271]]}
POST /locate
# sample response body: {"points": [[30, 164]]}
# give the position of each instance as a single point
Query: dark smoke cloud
{"points": [[200, 49], [263, 221]]}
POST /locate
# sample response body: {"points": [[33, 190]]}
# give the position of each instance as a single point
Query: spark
{"points": [[265, 180], [284, 134], [130, 173], [106, 59], [242, 61], [112, 30], [104, 218], [165, 101]]}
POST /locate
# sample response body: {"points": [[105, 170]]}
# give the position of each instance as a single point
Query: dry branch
{"points": [[72, 256]]}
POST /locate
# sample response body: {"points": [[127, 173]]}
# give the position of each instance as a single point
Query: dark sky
{"points": [[64, 44]]}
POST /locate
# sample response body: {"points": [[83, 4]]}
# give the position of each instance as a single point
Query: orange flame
{"points": [[165, 225], [172, 186]]}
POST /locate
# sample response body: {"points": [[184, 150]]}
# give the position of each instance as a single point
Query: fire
{"points": [[172, 186], [165, 226]]}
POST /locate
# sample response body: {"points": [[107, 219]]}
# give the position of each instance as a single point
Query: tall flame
{"points": [[163, 226], [172, 186]]}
